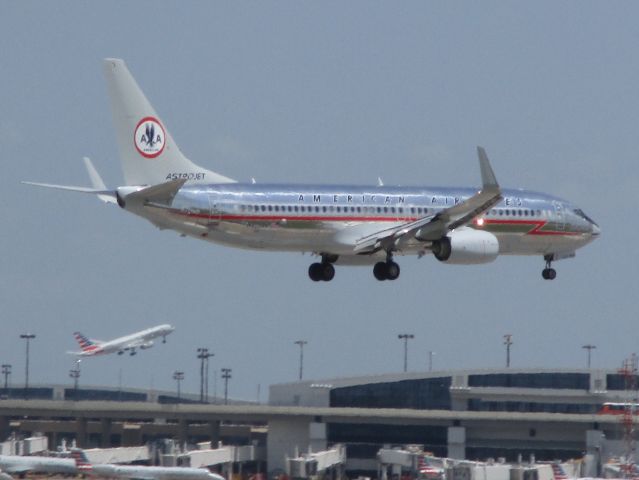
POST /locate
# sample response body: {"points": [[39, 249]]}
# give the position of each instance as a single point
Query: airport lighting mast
{"points": [[301, 343], [6, 371], [226, 375], [508, 341], [74, 373], [406, 337], [178, 377], [204, 355], [28, 337], [431, 354], [590, 348]]}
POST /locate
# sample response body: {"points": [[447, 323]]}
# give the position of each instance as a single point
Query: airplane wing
{"points": [[434, 227]]}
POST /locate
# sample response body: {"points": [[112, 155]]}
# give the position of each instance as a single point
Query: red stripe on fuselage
{"points": [[535, 230]]}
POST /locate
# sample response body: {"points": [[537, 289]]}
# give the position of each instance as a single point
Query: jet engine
{"points": [[466, 246], [146, 345]]}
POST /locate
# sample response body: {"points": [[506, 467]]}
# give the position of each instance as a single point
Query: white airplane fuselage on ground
{"points": [[20, 465], [349, 225]]}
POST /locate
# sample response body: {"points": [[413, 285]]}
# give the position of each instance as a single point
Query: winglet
{"points": [[488, 178]]}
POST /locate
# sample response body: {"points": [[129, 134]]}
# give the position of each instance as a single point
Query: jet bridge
{"points": [[310, 465]]}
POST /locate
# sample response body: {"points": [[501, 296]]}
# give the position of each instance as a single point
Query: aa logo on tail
{"points": [[149, 137]]}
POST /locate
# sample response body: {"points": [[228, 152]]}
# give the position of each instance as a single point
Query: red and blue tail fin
{"points": [[81, 461], [85, 343]]}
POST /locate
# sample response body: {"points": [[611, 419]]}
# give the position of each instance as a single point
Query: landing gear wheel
{"points": [[386, 270], [549, 273], [315, 272], [321, 271], [392, 270], [328, 271], [380, 271]]}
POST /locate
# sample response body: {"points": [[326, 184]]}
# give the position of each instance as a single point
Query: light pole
{"points": [[6, 371], [28, 337], [406, 337], [301, 343], [590, 348], [74, 373], [203, 354], [226, 375], [431, 354], [508, 341], [178, 377]]}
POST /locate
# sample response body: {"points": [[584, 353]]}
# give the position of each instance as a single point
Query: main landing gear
{"points": [[323, 270], [387, 270], [548, 273]]}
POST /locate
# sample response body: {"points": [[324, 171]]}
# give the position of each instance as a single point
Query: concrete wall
{"points": [[284, 437]]}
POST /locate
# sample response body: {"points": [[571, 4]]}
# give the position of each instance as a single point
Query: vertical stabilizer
{"points": [[147, 151]]}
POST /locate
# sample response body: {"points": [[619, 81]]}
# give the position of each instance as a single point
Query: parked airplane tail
{"points": [[85, 343], [148, 153], [81, 461]]}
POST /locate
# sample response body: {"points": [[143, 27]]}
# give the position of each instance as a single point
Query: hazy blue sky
{"points": [[339, 92]]}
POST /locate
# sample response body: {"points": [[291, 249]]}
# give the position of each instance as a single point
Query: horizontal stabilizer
{"points": [[97, 182], [69, 188]]}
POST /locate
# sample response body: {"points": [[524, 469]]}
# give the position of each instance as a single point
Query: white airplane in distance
{"points": [[142, 340], [21, 465], [138, 472], [340, 224]]}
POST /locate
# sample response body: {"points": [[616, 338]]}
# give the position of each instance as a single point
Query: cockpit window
{"points": [[581, 213]]}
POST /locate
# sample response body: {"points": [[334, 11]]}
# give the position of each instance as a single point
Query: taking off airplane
{"points": [[129, 343], [341, 224]]}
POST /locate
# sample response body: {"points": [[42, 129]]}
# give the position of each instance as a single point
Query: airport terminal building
{"points": [[473, 414], [483, 413]]}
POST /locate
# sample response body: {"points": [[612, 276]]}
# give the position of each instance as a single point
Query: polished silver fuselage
{"points": [[331, 219]]}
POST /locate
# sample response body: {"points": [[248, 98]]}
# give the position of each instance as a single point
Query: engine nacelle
{"points": [[146, 345], [466, 247]]}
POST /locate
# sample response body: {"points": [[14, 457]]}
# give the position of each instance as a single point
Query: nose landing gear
{"points": [[548, 273]]}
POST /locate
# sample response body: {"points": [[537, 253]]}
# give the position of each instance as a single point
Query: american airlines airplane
{"points": [[141, 472], [340, 224], [142, 340]]}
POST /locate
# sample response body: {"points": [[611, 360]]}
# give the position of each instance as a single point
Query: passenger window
{"points": [[296, 208], [339, 209], [277, 208], [324, 209], [392, 209]]}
